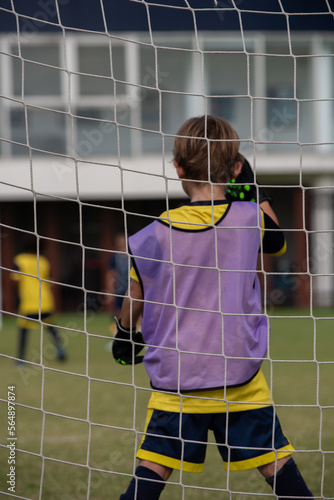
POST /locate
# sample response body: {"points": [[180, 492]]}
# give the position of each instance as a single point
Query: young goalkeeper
{"points": [[195, 283]]}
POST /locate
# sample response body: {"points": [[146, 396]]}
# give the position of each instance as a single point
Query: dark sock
{"points": [[147, 486], [61, 353], [22, 342], [289, 482]]}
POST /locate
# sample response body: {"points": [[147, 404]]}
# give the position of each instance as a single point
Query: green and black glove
{"points": [[127, 345], [243, 188]]}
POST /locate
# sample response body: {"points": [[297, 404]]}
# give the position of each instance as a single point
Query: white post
{"points": [[260, 89], [132, 70], [6, 89], [196, 83], [69, 57], [322, 85]]}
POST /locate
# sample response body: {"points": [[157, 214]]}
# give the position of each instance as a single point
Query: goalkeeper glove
{"points": [[127, 345], [243, 187]]}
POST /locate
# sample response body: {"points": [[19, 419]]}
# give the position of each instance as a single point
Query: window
{"points": [[110, 96], [36, 71], [107, 65]]}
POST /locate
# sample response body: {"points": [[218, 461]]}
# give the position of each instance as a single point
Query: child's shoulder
{"points": [[194, 215], [174, 214]]}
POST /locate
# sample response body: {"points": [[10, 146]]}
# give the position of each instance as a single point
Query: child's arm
{"points": [[243, 188], [132, 306], [128, 343], [273, 241], [267, 209]]}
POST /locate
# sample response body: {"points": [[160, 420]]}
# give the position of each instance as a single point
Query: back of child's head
{"points": [[207, 148]]}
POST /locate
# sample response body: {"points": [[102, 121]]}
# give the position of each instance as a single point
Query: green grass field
{"points": [[76, 420]]}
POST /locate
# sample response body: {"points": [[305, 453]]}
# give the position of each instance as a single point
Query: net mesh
{"points": [[90, 102]]}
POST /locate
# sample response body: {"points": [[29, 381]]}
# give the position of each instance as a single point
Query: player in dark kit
{"points": [[194, 281]]}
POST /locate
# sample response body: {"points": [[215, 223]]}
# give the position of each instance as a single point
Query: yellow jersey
{"points": [[34, 288]]}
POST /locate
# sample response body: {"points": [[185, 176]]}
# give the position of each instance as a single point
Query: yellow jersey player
{"points": [[36, 301]]}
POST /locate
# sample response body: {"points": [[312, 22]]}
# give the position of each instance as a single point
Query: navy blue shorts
{"points": [[245, 439]]}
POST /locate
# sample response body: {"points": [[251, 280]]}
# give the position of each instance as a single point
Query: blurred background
{"points": [[90, 100]]}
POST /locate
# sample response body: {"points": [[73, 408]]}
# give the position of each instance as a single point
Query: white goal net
{"points": [[91, 97]]}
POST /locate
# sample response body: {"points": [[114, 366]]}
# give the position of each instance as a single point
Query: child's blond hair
{"points": [[207, 148]]}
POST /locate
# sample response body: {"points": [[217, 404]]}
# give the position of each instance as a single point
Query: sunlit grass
{"points": [[79, 422]]}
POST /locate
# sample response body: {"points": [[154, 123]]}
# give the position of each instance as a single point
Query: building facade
{"points": [[90, 99]]}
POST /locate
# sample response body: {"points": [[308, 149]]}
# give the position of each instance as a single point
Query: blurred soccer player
{"points": [[36, 302]]}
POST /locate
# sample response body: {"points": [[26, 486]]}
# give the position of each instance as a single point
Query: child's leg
{"points": [[61, 354], [22, 342], [288, 482], [147, 484]]}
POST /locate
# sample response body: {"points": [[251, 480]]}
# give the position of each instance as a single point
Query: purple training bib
{"points": [[202, 314]]}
